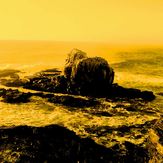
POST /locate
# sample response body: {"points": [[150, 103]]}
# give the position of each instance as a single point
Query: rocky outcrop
{"points": [[50, 80], [117, 92], [14, 96], [88, 76], [57, 144]]}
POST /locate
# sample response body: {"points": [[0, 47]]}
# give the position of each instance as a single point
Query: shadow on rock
{"points": [[57, 144]]}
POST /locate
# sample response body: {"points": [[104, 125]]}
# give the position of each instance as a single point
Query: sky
{"points": [[113, 21]]}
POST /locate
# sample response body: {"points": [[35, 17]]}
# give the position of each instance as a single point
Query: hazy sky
{"points": [[117, 21]]}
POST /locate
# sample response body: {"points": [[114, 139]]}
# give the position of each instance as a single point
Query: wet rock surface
{"points": [[117, 91], [57, 144], [59, 84], [73, 101], [49, 80], [14, 96]]}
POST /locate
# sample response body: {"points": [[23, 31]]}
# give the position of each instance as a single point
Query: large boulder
{"points": [[88, 76]]}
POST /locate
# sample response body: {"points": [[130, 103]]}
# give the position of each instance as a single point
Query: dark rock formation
{"points": [[14, 96], [88, 76], [49, 80], [57, 144], [72, 101], [117, 91]]}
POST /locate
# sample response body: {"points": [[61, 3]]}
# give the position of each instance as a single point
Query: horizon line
{"points": [[82, 41]]}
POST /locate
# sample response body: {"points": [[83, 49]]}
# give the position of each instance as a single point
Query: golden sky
{"points": [[115, 21]]}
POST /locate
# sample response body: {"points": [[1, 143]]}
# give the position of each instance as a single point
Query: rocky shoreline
{"points": [[133, 142], [119, 125], [53, 81], [57, 144]]}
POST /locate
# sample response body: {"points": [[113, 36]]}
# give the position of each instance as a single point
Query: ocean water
{"points": [[135, 67]]}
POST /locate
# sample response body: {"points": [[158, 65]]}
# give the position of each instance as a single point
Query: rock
{"points": [[50, 80], [55, 143], [14, 96], [155, 142], [60, 84], [2, 92], [72, 101], [147, 95], [88, 76], [117, 91]]}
